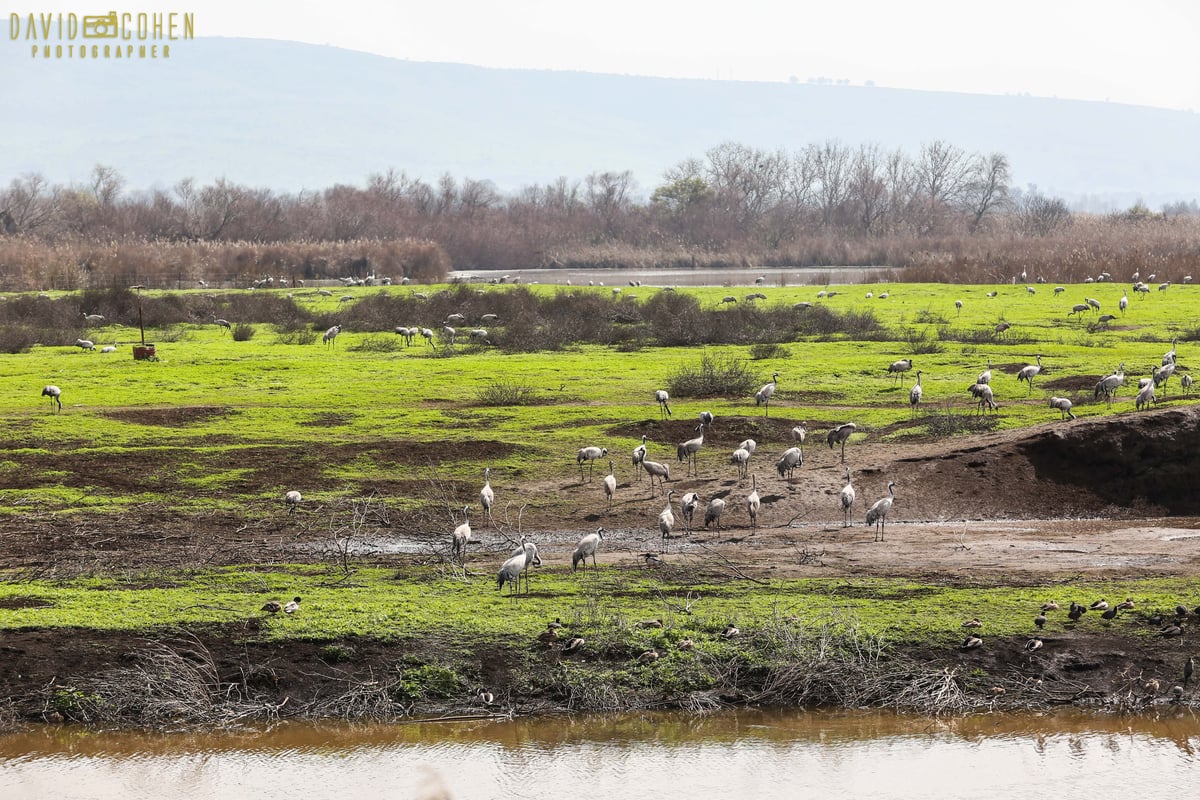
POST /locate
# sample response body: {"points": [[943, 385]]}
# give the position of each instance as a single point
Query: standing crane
{"points": [[666, 521], [462, 536], [486, 496], [847, 500], [1028, 373], [687, 450], [587, 547], [589, 454], [877, 513], [753, 502], [763, 395], [687, 508], [55, 395], [610, 484], [839, 436], [914, 394], [664, 405], [639, 455]]}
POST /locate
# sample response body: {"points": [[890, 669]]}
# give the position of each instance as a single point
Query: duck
{"points": [[573, 644], [1034, 644], [648, 657], [1125, 605], [1171, 630], [1111, 613], [1040, 620], [548, 636], [272, 606], [1099, 605], [972, 623], [650, 623], [971, 642], [292, 606], [730, 632], [485, 697], [1050, 606], [686, 644], [1077, 610]]}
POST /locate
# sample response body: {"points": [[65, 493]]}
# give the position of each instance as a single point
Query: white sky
{"points": [[1146, 53]]}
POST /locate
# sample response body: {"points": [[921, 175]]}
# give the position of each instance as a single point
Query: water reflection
{"points": [[743, 754]]}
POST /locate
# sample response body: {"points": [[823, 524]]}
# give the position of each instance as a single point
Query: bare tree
{"points": [[942, 174], [987, 189], [831, 170]]}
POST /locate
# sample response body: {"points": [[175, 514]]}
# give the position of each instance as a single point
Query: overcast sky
{"points": [[1144, 53]]}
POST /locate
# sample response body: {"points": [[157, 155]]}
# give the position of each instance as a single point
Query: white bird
{"points": [[462, 535], [610, 484], [799, 434], [1028, 373], [108, 348], [292, 606], [898, 368], [687, 508], [93, 318], [55, 395], [753, 503], [1186, 382], [331, 334], [914, 394], [639, 455], [512, 569], [1063, 404], [427, 335], [958, 304], [839, 436], [292, 499], [1163, 374], [664, 405], [847, 499], [687, 450], [589, 454], [763, 395], [587, 547], [486, 496], [877, 513], [85, 344], [716, 507], [706, 418], [1123, 303], [787, 463], [666, 520]]}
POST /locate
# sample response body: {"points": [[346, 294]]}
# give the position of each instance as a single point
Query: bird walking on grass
{"points": [[55, 395]]}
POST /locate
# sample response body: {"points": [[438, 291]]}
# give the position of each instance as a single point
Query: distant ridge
{"points": [[290, 116]]}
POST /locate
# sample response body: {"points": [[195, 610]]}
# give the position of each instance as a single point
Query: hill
{"points": [[291, 116]]}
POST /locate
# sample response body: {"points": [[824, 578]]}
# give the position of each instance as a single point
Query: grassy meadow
{"points": [[220, 425]]}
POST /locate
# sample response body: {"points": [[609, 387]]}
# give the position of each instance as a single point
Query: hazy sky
{"points": [[1144, 53]]}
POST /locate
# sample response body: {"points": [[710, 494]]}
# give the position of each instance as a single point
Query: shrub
{"points": [[715, 377], [242, 332], [377, 344], [504, 393], [302, 337], [759, 352]]}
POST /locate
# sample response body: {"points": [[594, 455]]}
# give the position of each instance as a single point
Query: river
{"points": [[771, 276], [742, 755]]}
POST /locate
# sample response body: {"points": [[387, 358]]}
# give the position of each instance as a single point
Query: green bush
{"points": [[723, 376], [242, 332]]}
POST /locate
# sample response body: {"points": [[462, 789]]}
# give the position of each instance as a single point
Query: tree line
{"points": [[826, 203]]}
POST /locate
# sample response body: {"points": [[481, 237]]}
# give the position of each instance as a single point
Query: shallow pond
{"points": [[771, 276], [729, 755]]}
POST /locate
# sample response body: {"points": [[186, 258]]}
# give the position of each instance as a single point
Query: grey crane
{"points": [[54, 393], [914, 394], [1123, 303], [610, 484], [799, 434], [666, 521], [639, 455], [753, 502], [1185, 381], [587, 547], [330, 335], [877, 513], [1063, 404], [1145, 396], [487, 497], [461, 536], [716, 507], [763, 396], [1028, 373], [589, 454], [93, 319], [657, 470], [1109, 384], [839, 436], [664, 403], [1163, 374], [512, 569], [787, 463], [687, 508], [686, 451], [986, 375], [984, 397], [1169, 356], [706, 418], [847, 500], [292, 499], [224, 323], [898, 368], [741, 457], [85, 344]]}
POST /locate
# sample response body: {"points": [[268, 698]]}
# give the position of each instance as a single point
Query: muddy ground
{"points": [[1109, 497]]}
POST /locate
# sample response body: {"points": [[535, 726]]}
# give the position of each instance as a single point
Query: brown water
{"points": [[741, 755]]}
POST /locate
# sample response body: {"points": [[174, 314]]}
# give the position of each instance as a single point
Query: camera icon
{"points": [[100, 27]]}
